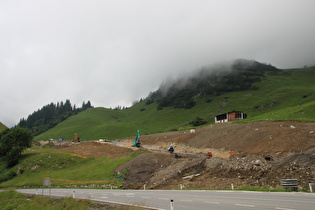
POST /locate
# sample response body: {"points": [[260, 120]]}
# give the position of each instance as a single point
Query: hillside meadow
{"points": [[289, 97], [64, 169]]}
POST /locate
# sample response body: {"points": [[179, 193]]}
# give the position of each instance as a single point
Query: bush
{"points": [[48, 145], [190, 104], [198, 121], [13, 142]]}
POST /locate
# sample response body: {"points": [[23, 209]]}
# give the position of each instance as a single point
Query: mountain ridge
{"points": [[285, 96]]}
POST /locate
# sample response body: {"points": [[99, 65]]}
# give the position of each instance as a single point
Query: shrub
{"points": [[198, 121]]}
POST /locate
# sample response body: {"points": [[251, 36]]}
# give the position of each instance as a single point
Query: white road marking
{"points": [[187, 200], [164, 199], [145, 197], [251, 192], [104, 197], [212, 202], [226, 191], [283, 208], [245, 205]]}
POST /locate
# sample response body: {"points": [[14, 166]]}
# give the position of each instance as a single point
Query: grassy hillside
{"points": [[38, 163], [289, 96], [2, 127]]}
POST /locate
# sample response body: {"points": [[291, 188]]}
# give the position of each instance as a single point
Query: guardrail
{"points": [[289, 184]]}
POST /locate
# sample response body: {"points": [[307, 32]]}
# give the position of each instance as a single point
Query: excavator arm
{"points": [[137, 142]]}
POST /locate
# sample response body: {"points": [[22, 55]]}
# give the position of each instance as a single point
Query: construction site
{"points": [[220, 156]]}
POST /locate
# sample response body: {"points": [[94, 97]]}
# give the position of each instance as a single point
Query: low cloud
{"points": [[114, 52]]}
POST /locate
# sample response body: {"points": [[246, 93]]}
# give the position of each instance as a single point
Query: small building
{"points": [[230, 116]]}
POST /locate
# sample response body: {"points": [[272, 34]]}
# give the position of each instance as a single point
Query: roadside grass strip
{"points": [[81, 182]]}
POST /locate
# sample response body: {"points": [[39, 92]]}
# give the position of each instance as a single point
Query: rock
{"points": [[257, 162]]}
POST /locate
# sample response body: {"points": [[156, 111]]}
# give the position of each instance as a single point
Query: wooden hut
{"points": [[230, 116]]}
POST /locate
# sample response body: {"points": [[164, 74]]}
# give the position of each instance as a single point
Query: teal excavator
{"points": [[137, 142]]}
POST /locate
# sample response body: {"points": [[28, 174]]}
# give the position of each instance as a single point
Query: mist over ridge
{"points": [[214, 75]]}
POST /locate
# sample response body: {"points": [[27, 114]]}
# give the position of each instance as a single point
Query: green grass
{"points": [[2, 127], [5, 173], [263, 189], [15, 200], [290, 96], [38, 163]]}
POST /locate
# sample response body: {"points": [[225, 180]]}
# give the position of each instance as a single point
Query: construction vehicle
{"points": [[137, 142], [170, 149], [77, 139]]}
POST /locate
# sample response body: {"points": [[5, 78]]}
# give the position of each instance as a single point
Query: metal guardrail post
{"points": [[172, 204], [310, 185]]}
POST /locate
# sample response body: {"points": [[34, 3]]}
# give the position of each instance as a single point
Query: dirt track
{"points": [[289, 145]]}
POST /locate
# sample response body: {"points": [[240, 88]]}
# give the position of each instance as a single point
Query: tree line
{"points": [[50, 115]]}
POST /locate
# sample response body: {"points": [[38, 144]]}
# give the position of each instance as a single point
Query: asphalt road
{"points": [[186, 199]]}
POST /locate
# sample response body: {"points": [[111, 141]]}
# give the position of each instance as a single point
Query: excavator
{"points": [[77, 139], [137, 142]]}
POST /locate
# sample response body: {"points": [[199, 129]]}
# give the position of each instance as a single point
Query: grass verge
{"points": [[15, 200]]}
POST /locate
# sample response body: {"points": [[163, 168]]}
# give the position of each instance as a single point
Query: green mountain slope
{"points": [[286, 96], [2, 127]]}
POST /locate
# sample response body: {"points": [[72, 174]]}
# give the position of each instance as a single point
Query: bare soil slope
{"points": [[264, 153], [261, 138], [96, 149]]}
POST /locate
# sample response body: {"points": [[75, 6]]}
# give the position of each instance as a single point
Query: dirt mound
{"points": [[97, 149], [220, 173], [178, 169], [306, 158], [142, 168]]}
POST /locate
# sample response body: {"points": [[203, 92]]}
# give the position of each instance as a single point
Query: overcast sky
{"points": [[115, 52]]}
